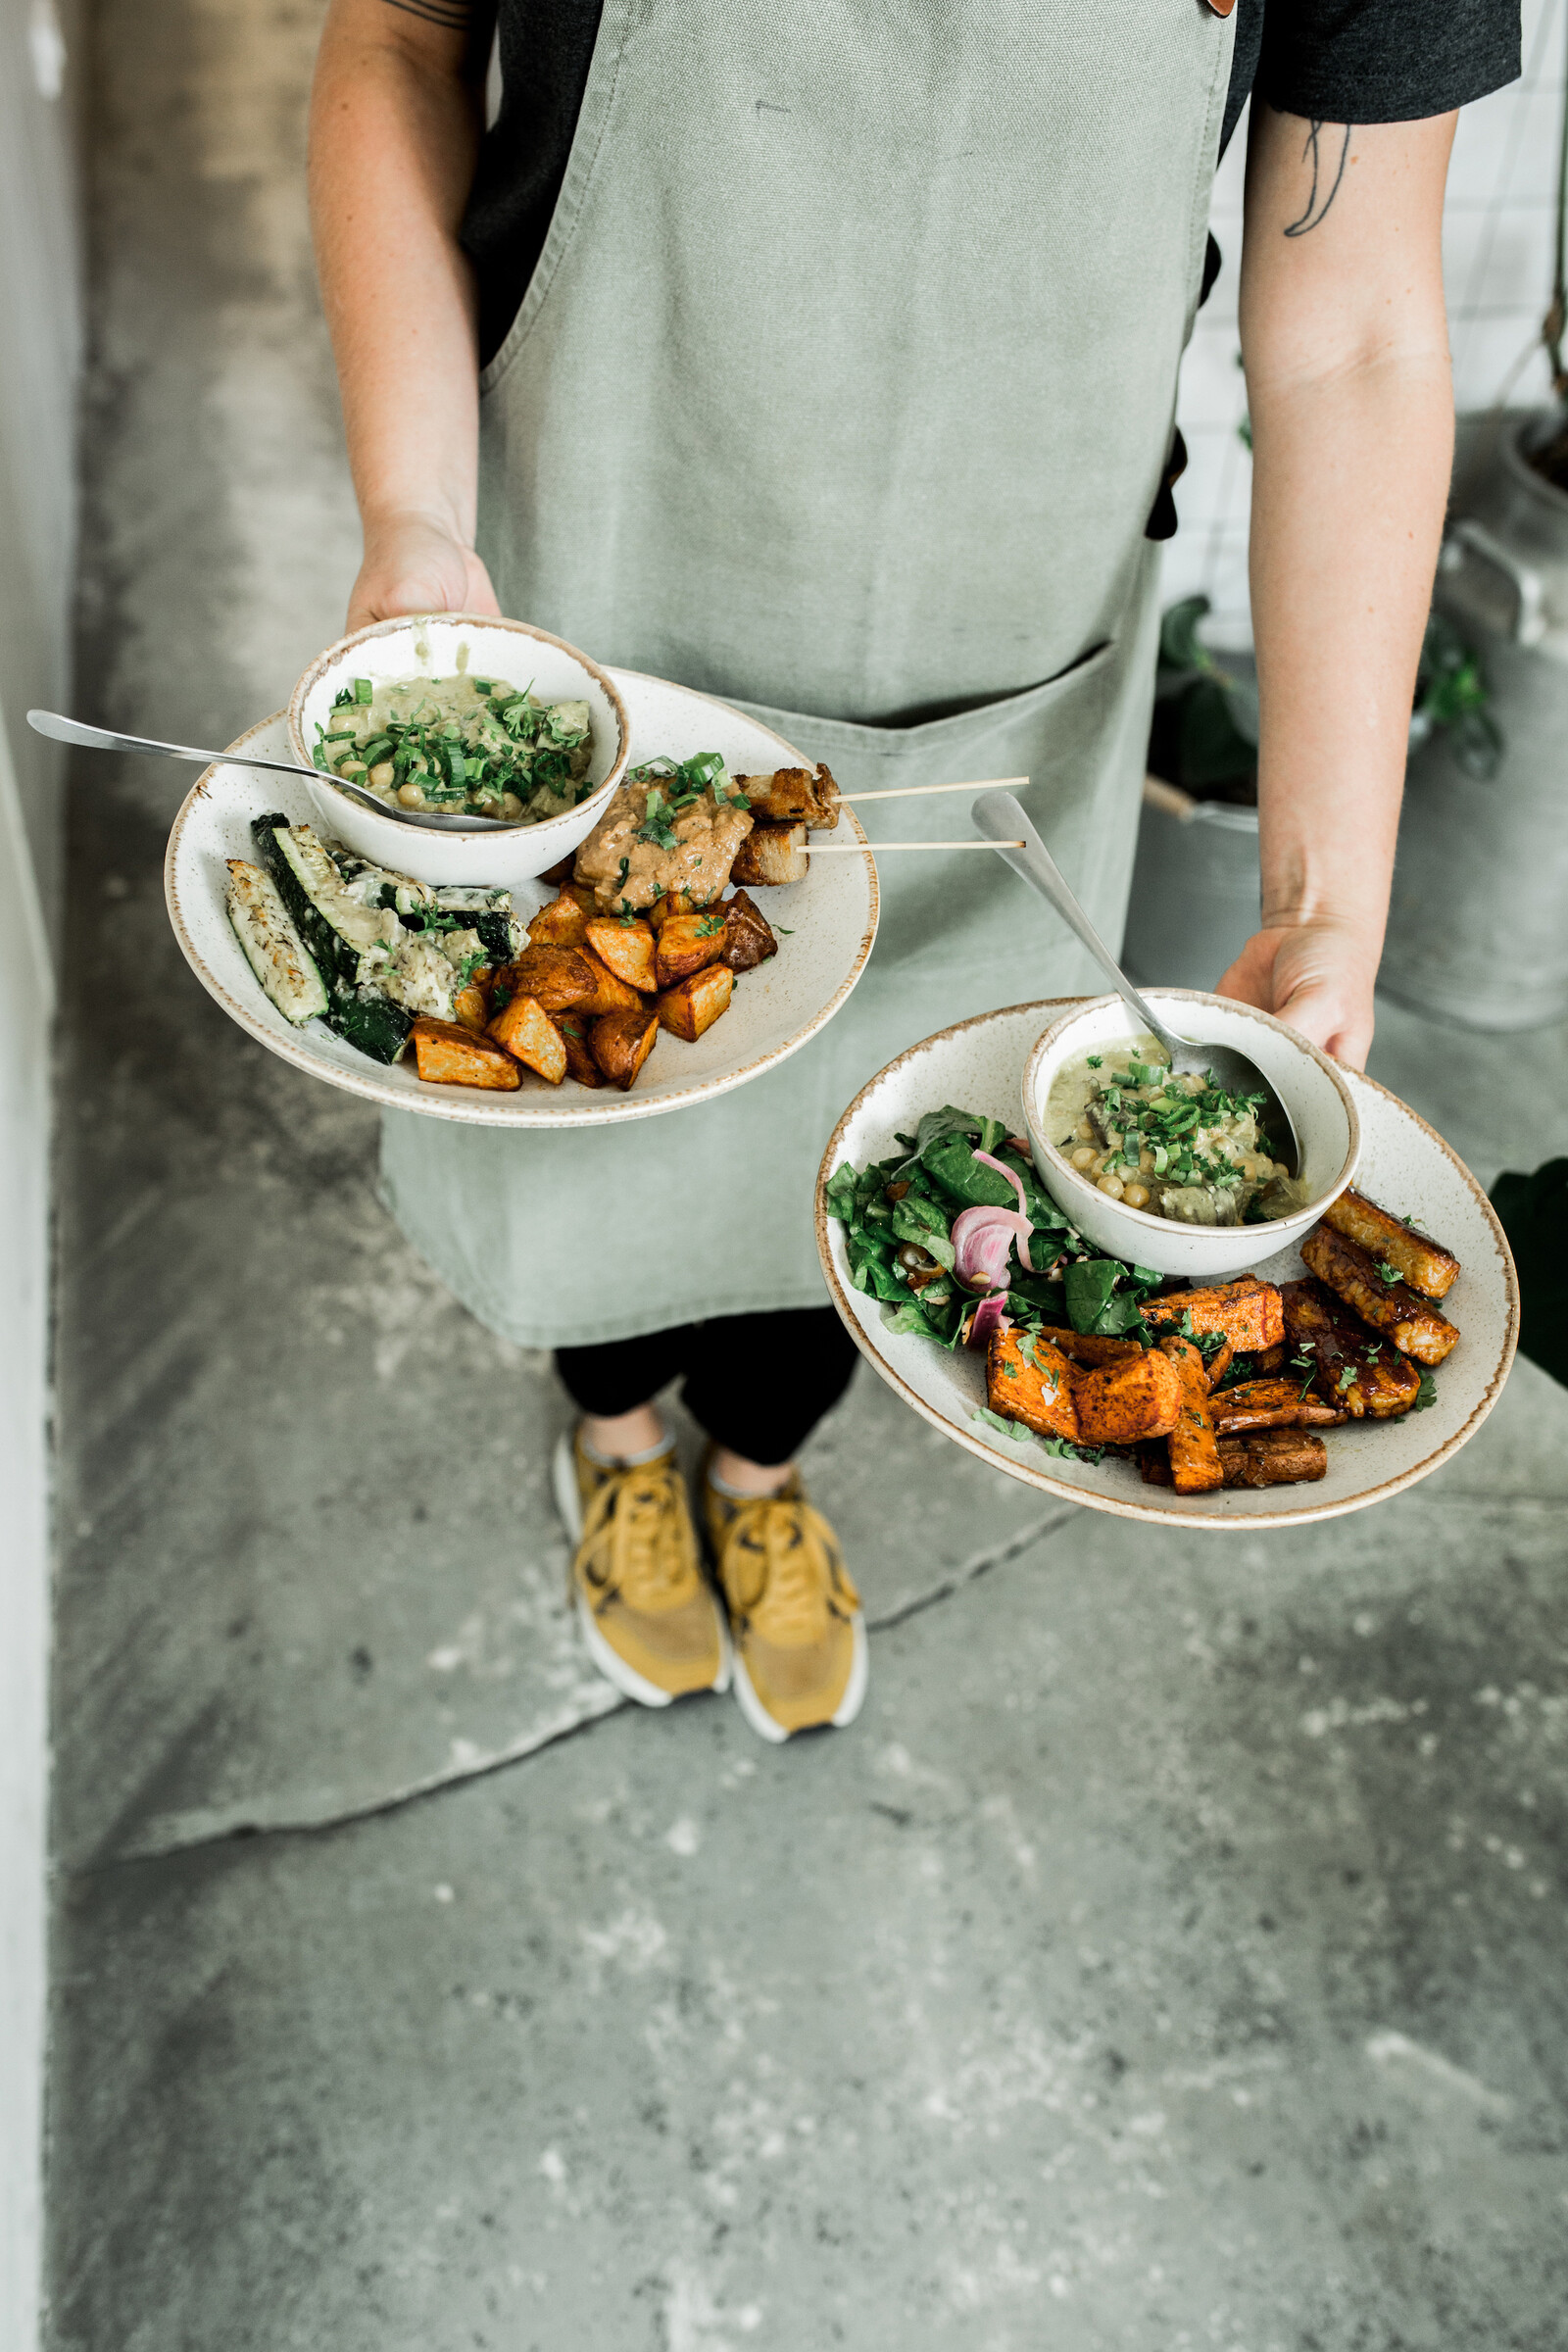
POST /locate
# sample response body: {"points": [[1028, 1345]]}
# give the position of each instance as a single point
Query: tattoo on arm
{"points": [[451, 15], [1327, 172]]}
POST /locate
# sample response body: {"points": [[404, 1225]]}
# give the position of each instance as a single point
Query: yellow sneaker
{"points": [[795, 1616], [651, 1621]]}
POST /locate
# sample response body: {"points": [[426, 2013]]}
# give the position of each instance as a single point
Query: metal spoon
{"points": [[103, 739], [999, 816]]}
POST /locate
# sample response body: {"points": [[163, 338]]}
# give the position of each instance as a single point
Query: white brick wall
{"points": [[1497, 256]]}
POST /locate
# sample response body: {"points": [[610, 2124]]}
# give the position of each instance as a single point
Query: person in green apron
{"points": [[825, 358]]}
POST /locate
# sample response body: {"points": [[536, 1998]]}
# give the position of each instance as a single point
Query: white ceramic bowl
{"points": [[428, 645], [1307, 1083]]}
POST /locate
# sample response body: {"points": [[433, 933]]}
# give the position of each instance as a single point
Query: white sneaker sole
{"points": [[610, 1662], [767, 1728]]}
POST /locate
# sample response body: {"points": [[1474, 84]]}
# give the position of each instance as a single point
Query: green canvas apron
{"points": [[842, 392]]}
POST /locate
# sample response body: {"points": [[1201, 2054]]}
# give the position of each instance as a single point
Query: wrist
{"points": [[380, 521]]}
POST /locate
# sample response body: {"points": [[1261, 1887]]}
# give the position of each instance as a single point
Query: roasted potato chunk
{"points": [[580, 1063], [674, 901], [611, 994], [1391, 1308], [1353, 1367], [748, 935], [561, 924], [526, 1030], [1195, 1464], [1271, 1405], [1246, 1311], [794, 796], [1273, 1458], [695, 1003], [445, 1054], [1028, 1380], [1134, 1397], [771, 853], [1424, 1264], [626, 947], [621, 1042], [558, 977], [688, 942], [472, 1007], [561, 871]]}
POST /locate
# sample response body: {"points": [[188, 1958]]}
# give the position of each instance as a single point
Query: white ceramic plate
{"points": [[1405, 1165], [831, 917]]}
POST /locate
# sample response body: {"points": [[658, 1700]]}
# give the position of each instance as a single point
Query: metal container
{"points": [[1477, 925], [1195, 894]]}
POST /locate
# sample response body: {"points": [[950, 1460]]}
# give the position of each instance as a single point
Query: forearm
{"points": [[1350, 478], [1346, 347], [395, 125]]}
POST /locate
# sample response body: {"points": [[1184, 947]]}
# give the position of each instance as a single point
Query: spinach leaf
{"points": [[1089, 1283], [952, 1161]]}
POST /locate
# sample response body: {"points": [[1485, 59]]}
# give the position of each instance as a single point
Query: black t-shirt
{"points": [[1340, 60]]}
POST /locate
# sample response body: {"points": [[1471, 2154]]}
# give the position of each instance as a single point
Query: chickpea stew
{"points": [[1174, 1146], [460, 745]]}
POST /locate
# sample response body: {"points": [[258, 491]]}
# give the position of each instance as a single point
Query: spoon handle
{"points": [[999, 816], [103, 739]]}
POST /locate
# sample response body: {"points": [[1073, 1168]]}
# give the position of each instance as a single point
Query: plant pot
{"points": [[1196, 895]]}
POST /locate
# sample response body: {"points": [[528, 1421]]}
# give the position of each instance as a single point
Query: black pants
{"points": [[757, 1384]]}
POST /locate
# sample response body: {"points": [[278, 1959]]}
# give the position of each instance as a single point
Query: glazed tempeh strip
{"points": [[1392, 1309], [1424, 1264]]}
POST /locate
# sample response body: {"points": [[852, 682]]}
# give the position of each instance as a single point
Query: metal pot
{"points": [[1477, 925], [1195, 894]]}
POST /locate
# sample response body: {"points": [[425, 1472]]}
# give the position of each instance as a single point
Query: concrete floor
{"points": [[1172, 1954]]}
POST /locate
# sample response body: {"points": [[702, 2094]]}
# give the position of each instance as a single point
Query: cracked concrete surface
{"points": [[1169, 1958]]}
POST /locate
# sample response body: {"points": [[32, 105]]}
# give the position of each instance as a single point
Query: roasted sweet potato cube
{"points": [[1195, 1464], [580, 1063], [1247, 1310], [526, 1030], [561, 924], [472, 1007], [611, 992], [687, 943], [561, 871], [626, 947], [1424, 1264], [695, 1003], [748, 935], [445, 1054], [673, 902], [1085, 1347], [1391, 1308], [1028, 1380], [1273, 1458], [621, 1042], [1136, 1396], [793, 795], [771, 853], [558, 977], [1153, 1462]]}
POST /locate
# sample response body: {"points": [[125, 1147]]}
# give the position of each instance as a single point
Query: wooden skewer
{"points": [[902, 792], [846, 848]]}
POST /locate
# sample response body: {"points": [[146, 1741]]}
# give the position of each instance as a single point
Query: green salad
{"points": [[462, 746]]}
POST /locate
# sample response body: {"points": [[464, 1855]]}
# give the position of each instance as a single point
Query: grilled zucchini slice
{"points": [[273, 947], [347, 938]]}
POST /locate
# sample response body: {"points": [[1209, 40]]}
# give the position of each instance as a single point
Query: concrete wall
{"points": [[1496, 266], [39, 343]]}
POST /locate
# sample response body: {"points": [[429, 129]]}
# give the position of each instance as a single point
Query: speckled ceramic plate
{"points": [[830, 918], [1405, 1165]]}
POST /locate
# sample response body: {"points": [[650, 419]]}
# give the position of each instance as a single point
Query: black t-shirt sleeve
{"points": [[1385, 61]]}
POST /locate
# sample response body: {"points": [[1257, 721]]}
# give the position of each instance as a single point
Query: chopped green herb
{"points": [[1391, 1274], [1426, 1393]]}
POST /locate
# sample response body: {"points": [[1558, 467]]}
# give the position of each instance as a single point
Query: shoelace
{"points": [[644, 1513], [791, 1608]]}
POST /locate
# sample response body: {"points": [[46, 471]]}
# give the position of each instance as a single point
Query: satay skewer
{"points": [[904, 792], [827, 848]]}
